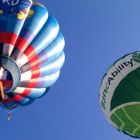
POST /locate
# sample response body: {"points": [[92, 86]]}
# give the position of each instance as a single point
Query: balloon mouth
{"points": [[6, 78], [9, 74]]}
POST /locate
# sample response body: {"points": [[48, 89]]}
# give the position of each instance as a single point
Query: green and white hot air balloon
{"points": [[120, 94]]}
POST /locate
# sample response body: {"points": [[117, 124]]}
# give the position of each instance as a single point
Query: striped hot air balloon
{"points": [[31, 52]]}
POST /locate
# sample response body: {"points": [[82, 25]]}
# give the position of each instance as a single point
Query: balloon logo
{"points": [[22, 14], [31, 52], [22, 10]]}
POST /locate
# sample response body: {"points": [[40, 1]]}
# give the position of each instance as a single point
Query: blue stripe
{"points": [[45, 36]]}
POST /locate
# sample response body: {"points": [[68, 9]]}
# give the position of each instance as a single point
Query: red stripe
{"points": [[35, 62], [8, 38], [17, 98], [21, 44], [36, 73], [26, 92], [30, 52], [32, 83]]}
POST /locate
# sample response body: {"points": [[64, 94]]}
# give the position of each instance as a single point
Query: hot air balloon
{"points": [[31, 52], [120, 94]]}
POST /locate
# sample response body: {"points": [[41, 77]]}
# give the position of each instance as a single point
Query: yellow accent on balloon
{"points": [[21, 15], [1, 12], [30, 14]]}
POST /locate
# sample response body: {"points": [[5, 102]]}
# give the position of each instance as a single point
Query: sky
{"points": [[97, 33]]}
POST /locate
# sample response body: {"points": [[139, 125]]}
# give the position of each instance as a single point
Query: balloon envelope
{"points": [[31, 51], [120, 94]]}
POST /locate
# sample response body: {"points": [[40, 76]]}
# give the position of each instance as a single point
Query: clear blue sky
{"points": [[97, 32]]}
